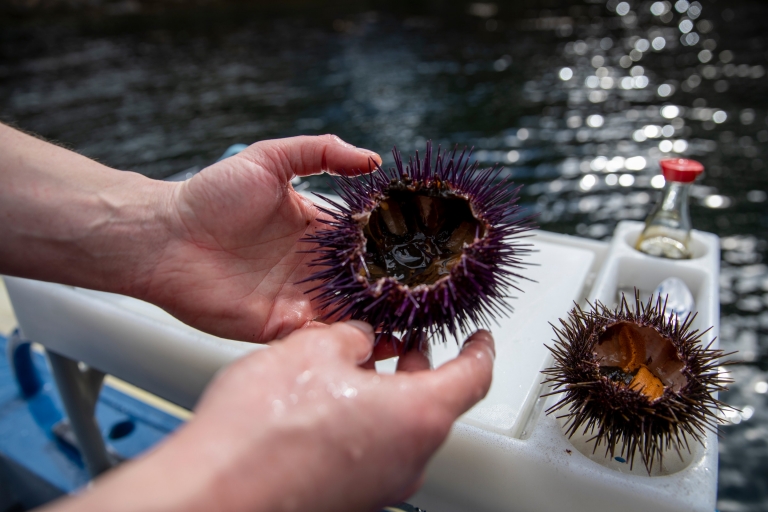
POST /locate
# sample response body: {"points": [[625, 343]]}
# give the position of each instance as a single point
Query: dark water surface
{"points": [[580, 101]]}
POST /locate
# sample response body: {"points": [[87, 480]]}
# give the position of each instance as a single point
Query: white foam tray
{"points": [[503, 454], [480, 470], [558, 273]]}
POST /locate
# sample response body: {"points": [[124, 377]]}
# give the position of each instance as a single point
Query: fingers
{"points": [[306, 155], [386, 348], [389, 346], [461, 383], [355, 339], [413, 361]]}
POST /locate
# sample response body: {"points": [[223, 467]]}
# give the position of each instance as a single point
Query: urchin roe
{"points": [[416, 235], [640, 358]]}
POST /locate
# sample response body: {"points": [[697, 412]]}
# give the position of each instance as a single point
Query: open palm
{"points": [[232, 265]]}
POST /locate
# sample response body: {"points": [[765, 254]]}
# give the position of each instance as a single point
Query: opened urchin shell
{"points": [[655, 404], [453, 235]]}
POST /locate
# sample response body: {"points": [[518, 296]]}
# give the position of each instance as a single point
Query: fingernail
{"points": [[370, 154], [481, 334], [367, 152], [365, 327]]}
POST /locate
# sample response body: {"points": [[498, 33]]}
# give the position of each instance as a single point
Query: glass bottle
{"points": [[667, 230]]}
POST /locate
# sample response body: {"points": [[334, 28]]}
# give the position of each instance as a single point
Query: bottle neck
{"points": [[675, 197], [672, 210], [668, 227]]}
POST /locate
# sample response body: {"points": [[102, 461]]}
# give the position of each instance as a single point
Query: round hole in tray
{"points": [[697, 247], [121, 429], [672, 462]]}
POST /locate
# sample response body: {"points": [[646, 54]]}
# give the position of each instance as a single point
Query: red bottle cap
{"points": [[681, 169]]}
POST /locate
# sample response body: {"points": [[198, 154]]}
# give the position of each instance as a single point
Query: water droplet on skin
{"points": [[278, 407], [304, 377], [341, 390], [293, 398], [376, 379]]}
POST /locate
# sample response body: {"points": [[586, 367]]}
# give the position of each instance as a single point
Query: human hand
{"points": [[301, 426], [218, 251], [231, 265]]}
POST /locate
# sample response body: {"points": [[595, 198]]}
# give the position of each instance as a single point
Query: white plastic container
{"points": [[484, 470], [504, 454]]}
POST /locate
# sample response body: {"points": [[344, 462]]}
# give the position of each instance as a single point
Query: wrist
{"points": [[71, 220], [168, 479], [137, 234]]}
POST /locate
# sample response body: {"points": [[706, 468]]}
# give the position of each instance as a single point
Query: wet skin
{"points": [[302, 426]]}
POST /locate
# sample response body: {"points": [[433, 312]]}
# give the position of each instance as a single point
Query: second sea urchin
{"points": [[636, 380], [428, 248]]}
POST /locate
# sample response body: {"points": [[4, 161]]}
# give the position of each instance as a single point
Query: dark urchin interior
{"points": [[417, 237], [607, 399], [413, 272]]}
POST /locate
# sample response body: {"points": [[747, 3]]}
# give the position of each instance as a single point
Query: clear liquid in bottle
{"points": [[667, 232]]}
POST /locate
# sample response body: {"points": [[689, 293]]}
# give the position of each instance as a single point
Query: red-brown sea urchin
{"points": [[421, 249], [635, 380]]}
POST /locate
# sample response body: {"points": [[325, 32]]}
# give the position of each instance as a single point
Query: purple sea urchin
{"points": [[635, 380], [421, 249]]}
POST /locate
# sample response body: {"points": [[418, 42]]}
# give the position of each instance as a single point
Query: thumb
{"points": [[351, 340], [306, 155]]}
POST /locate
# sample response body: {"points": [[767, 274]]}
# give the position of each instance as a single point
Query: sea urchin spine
{"points": [[421, 249], [635, 380]]}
